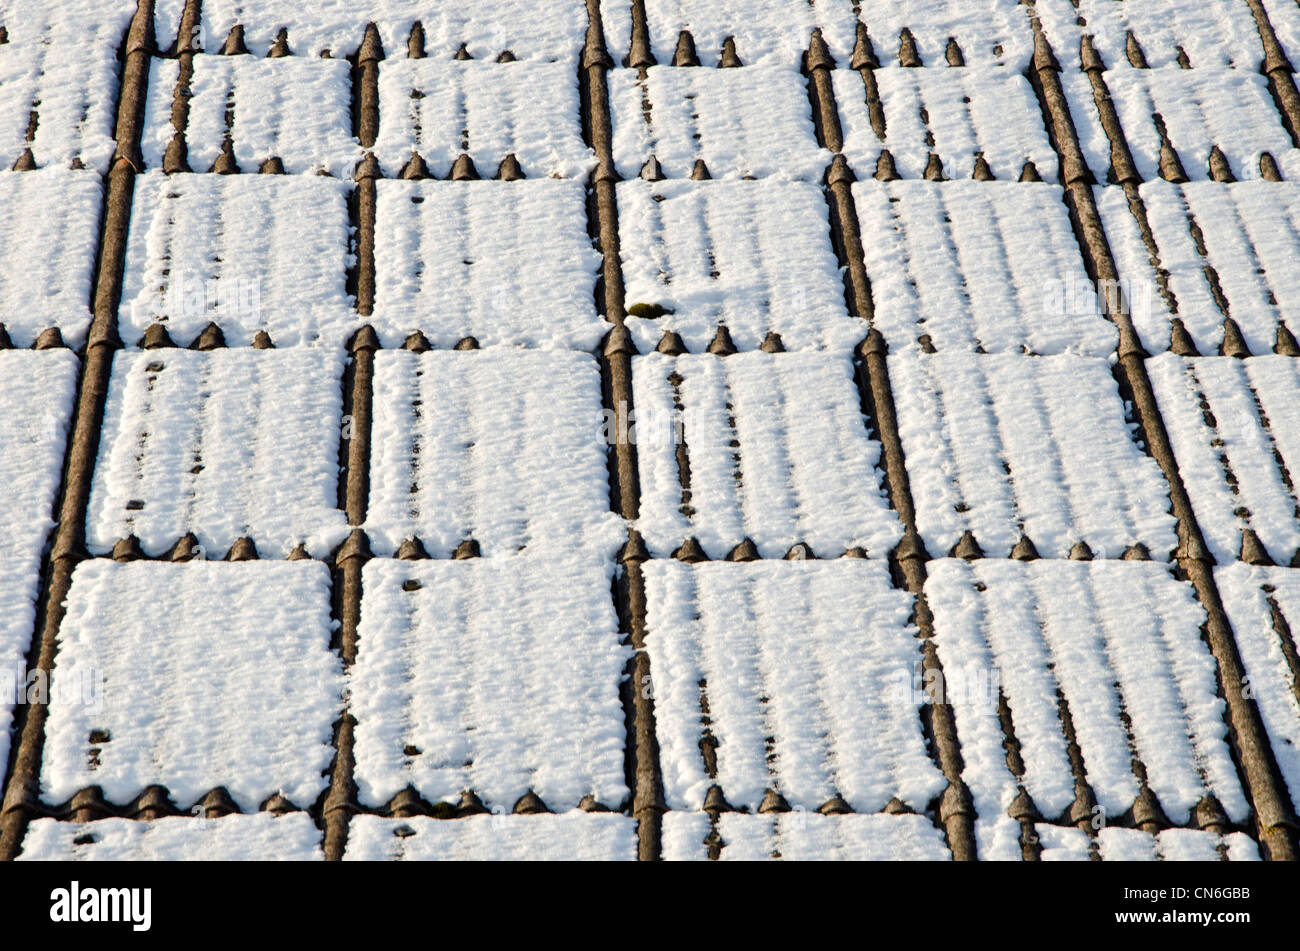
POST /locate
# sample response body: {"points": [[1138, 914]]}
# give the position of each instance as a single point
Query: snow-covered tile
{"points": [[988, 34], [569, 837], [251, 252], [1211, 33], [442, 108], [496, 675], [754, 257], [259, 837], [502, 446], [1175, 845], [802, 836], [957, 114], [545, 29], [504, 262], [64, 72], [767, 32], [1006, 445], [194, 676], [1060, 844], [1263, 605], [49, 229], [293, 108], [1120, 643], [1235, 430], [1250, 233], [988, 266], [224, 444], [743, 123], [787, 675], [1200, 108], [770, 447]]}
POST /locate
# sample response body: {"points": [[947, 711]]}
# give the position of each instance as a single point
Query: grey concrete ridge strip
{"points": [[1276, 825], [22, 793]]}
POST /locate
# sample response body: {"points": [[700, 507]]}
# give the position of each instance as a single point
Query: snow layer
{"points": [[776, 450], [1263, 605], [989, 34], [504, 262], [442, 108], [1235, 430], [1040, 631], [751, 256], [49, 229], [547, 30], [798, 673], [1005, 445], [61, 68], [803, 836], [497, 675], [297, 109], [767, 32], [1212, 33], [1251, 236], [202, 675], [1201, 108], [224, 444], [251, 252], [501, 446], [992, 266], [570, 837], [1068, 844], [743, 123], [958, 114], [234, 838]]}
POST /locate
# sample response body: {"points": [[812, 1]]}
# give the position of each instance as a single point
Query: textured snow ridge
{"points": [[504, 262], [1120, 643], [1263, 605], [988, 265], [64, 72], [802, 836], [441, 108], [1200, 108], [501, 446], [49, 229], [770, 447], [293, 108], [224, 444], [767, 32], [1210, 33], [1008, 445], [743, 123], [988, 34], [569, 837], [796, 676], [1251, 236], [1068, 844], [751, 256], [546, 30], [958, 114], [496, 675], [194, 676], [1235, 430], [250, 252], [235, 838]]}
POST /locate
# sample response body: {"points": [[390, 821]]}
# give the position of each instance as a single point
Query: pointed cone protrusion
{"points": [[1268, 169], [1285, 343], [953, 53], [1210, 815], [225, 163], [466, 343], [773, 801], [415, 169], [272, 166], [1044, 58], [1180, 341], [1089, 58], [982, 172], [355, 546], [462, 53], [911, 548], [1030, 173], [896, 807], [530, 804], [967, 548], [835, 806], [127, 549], [908, 54], [234, 45], [818, 55], [839, 172], [1253, 551], [721, 345], [691, 552], [417, 342], [176, 159], [412, 550], [156, 337], [1147, 812], [745, 551], [262, 341], [364, 339], [684, 55], [715, 801], [634, 551], [466, 550], [1137, 552], [368, 168], [886, 170], [1171, 166], [299, 553], [800, 551], [1192, 548], [88, 805], [700, 172], [934, 169], [242, 550], [280, 47], [50, 339], [463, 169], [864, 54], [1024, 550], [652, 171], [857, 554], [153, 803], [218, 803], [506, 56], [773, 343], [1080, 551], [1234, 344], [671, 344], [187, 548], [6, 342], [470, 804], [415, 42], [211, 338], [509, 170], [1136, 58], [278, 805], [729, 59], [1022, 809], [1220, 170], [1184, 61], [407, 804]]}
